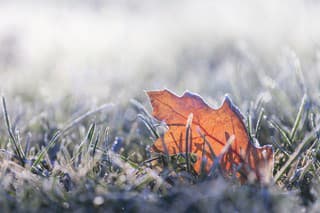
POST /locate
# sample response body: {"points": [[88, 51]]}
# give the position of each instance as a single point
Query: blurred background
{"points": [[113, 50]]}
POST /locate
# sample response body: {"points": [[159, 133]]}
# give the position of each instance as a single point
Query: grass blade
{"points": [[258, 124], [90, 136], [298, 118], [95, 145], [87, 140], [188, 141], [13, 140], [45, 150], [282, 132]]}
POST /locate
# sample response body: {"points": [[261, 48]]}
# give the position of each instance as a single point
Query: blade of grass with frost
{"points": [[203, 158], [87, 141], [145, 117], [188, 140], [149, 126], [258, 124], [282, 132], [42, 153], [90, 136], [249, 125], [298, 118], [12, 139], [95, 144]]}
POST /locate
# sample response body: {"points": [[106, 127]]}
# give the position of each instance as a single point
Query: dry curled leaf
{"points": [[194, 127]]}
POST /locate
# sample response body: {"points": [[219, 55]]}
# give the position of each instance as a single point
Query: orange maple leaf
{"points": [[194, 127]]}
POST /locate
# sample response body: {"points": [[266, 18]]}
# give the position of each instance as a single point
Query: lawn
{"points": [[76, 125]]}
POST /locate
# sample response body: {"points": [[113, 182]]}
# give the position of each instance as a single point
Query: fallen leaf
{"points": [[194, 127]]}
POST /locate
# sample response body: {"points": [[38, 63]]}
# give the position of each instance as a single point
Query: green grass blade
{"points": [[45, 150], [249, 124], [95, 144], [282, 132], [13, 140], [149, 126], [298, 118], [188, 141], [87, 141], [90, 135], [258, 124]]}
